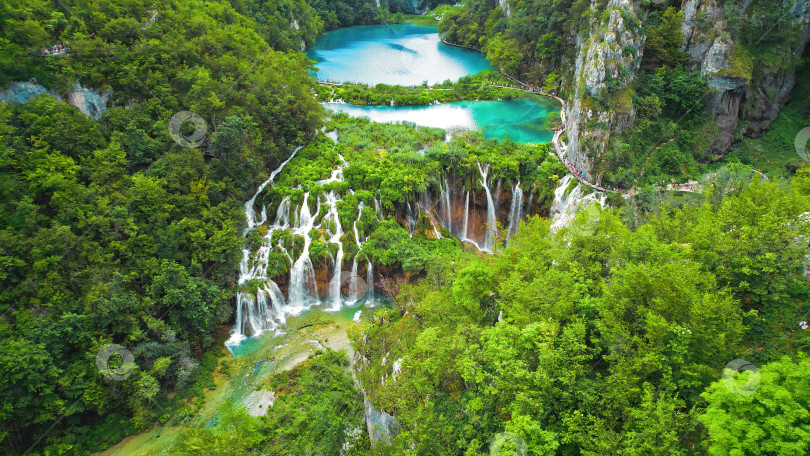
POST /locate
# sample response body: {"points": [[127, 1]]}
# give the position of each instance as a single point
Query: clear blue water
{"points": [[400, 54], [520, 120]]}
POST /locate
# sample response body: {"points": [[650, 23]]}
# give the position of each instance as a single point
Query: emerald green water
{"points": [[521, 120]]}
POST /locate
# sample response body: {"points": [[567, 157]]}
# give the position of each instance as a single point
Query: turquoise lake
{"points": [[405, 54], [399, 54], [519, 120]]}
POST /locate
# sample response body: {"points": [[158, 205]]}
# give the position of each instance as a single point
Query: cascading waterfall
{"points": [[567, 204], [353, 279], [466, 216], [369, 284], [496, 196], [302, 273], [353, 283], [409, 217], [249, 213], [254, 312], [378, 207], [514, 210], [531, 197], [448, 209], [489, 240], [267, 309], [334, 286]]}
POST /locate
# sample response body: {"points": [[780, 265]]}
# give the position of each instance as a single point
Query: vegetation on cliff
{"points": [[610, 342]]}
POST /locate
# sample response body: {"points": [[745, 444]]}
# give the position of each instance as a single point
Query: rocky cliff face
{"points": [[744, 87], [741, 90], [89, 101], [607, 60]]}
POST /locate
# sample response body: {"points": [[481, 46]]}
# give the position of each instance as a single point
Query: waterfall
{"points": [[489, 240], [531, 197], [514, 211], [303, 272], [409, 216], [249, 213], [354, 226], [466, 216], [353, 279], [378, 207], [567, 204], [254, 313], [266, 307], [447, 207], [432, 223], [353, 283], [369, 284], [334, 286], [496, 196]]}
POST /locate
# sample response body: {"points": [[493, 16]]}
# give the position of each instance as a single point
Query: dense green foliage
{"points": [[383, 165], [672, 135], [607, 341], [533, 43], [113, 233], [317, 410], [94, 253], [773, 421], [482, 86]]}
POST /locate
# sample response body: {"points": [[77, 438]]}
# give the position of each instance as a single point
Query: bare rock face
{"points": [[743, 89], [738, 94], [89, 102], [606, 63]]}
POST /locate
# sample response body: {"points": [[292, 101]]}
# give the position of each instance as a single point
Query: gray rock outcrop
{"points": [[609, 55], [89, 102]]}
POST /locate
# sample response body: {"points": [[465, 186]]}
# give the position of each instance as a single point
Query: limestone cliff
{"points": [[744, 89], [749, 83], [89, 102], [606, 63]]}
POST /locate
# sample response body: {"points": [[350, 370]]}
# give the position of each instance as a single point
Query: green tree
{"points": [[774, 420]]}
